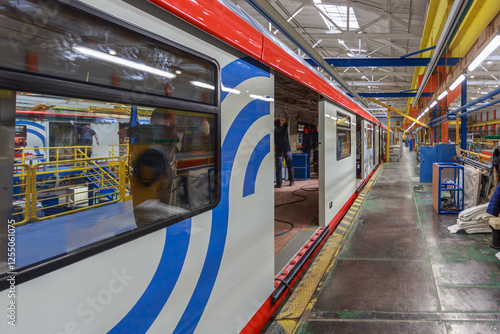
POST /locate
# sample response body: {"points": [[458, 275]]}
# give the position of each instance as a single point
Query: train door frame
{"points": [[376, 149], [359, 149], [337, 174]]}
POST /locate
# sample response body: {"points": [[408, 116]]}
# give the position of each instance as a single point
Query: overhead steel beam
{"points": [[453, 18], [317, 32], [392, 94], [398, 112], [272, 15], [386, 62], [397, 127]]}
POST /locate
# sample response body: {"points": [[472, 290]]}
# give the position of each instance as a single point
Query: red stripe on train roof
{"points": [[216, 19]]}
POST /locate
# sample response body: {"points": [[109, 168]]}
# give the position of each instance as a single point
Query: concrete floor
{"points": [[399, 270]]}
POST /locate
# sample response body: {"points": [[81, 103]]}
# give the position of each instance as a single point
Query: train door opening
{"points": [[296, 203], [359, 149]]}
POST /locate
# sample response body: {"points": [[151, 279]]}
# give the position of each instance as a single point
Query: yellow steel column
{"points": [[388, 134], [121, 179], [32, 196]]}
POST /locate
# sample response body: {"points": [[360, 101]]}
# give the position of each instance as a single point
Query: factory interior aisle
{"points": [[399, 270]]}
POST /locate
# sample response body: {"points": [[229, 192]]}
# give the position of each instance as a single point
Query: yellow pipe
{"points": [[398, 112], [437, 13], [491, 122], [477, 154], [478, 17]]}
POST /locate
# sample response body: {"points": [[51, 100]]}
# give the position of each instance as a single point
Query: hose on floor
{"points": [[303, 198]]}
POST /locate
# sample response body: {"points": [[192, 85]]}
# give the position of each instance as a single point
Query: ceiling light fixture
{"points": [[433, 104], [492, 46], [443, 94], [457, 82], [121, 61]]}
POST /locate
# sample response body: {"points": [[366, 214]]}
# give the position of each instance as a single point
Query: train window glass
{"points": [[369, 136], [49, 39], [343, 136], [90, 170]]}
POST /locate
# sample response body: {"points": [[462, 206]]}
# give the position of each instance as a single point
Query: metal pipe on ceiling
{"points": [[456, 12]]}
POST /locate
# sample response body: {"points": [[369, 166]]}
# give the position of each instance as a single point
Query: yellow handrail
{"points": [[90, 197], [481, 156], [25, 182]]}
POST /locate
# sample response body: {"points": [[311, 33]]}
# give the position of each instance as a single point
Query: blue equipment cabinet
{"points": [[446, 152], [302, 165], [431, 154], [428, 156]]}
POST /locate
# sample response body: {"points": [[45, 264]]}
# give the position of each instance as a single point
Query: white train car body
{"points": [[214, 271]]}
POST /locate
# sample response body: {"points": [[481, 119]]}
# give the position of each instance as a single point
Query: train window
{"points": [[343, 136], [86, 171], [49, 39], [117, 132], [369, 136]]}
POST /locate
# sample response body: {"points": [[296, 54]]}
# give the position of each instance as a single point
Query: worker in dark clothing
{"points": [[282, 148], [85, 134]]}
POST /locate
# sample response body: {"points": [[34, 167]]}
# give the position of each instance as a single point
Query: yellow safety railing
{"points": [[63, 153], [122, 150], [481, 156], [22, 193], [56, 188], [119, 150]]}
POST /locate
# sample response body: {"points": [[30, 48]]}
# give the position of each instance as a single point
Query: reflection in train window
{"points": [[343, 136], [94, 170], [88, 49]]}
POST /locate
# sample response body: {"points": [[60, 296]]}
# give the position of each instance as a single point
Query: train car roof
{"points": [[245, 37]]}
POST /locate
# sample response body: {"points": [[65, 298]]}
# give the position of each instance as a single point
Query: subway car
{"points": [[176, 235]]}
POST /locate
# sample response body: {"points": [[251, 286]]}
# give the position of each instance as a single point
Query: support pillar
{"points": [[463, 126]]}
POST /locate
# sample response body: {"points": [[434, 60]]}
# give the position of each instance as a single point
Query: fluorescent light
{"points": [[202, 85], [443, 94], [495, 42], [230, 90], [263, 98], [457, 82], [294, 14], [121, 61], [433, 104], [426, 110]]}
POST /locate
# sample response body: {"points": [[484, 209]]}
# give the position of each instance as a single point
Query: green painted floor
{"points": [[399, 270]]}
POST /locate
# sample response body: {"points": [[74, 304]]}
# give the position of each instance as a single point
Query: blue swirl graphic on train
{"points": [[140, 318]]}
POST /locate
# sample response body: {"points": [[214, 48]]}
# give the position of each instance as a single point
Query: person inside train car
{"points": [[85, 134], [154, 183], [282, 148]]}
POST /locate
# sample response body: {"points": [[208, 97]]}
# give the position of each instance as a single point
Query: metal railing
{"points": [[481, 156], [119, 150], [55, 154], [21, 192], [52, 189]]}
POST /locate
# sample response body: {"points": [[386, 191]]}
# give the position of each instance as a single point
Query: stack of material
{"points": [[473, 220], [472, 180]]}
